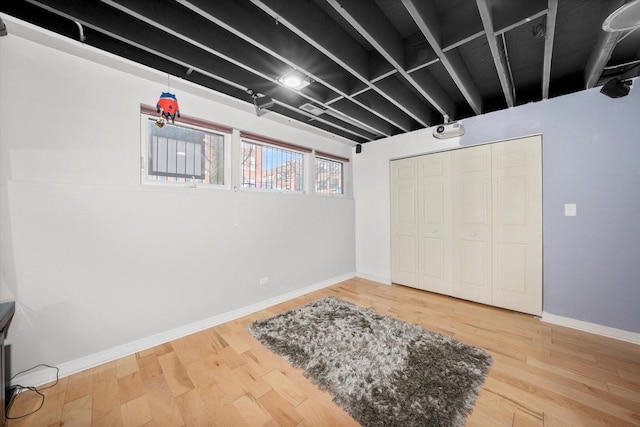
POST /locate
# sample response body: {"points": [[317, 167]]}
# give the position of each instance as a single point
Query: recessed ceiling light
{"points": [[292, 81], [295, 80]]}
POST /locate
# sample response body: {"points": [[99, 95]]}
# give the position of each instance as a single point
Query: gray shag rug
{"points": [[380, 370]]}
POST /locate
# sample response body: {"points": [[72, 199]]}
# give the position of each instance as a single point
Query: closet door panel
{"points": [[472, 235], [517, 225], [404, 222], [434, 172]]}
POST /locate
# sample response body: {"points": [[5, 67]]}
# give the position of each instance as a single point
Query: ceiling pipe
{"points": [[81, 30], [602, 51]]}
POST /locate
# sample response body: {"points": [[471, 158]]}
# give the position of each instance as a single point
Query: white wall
{"points": [[590, 157], [95, 260]]}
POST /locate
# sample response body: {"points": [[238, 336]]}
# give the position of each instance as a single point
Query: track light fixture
{"points": [[260, 102]]}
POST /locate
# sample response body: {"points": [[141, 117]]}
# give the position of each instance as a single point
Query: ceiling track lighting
{"points": [[261, 102]]}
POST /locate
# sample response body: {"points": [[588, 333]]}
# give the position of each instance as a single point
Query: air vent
{"points": [[313, 109]]}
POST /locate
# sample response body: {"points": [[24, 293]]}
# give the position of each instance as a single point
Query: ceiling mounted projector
{"points": [[448, 130]]}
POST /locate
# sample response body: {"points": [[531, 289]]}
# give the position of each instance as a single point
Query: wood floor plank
{"points": [[279, 382], [149, 366], [79, 385], [130, 387], [251, 382], [221, 408], [175, 373], [162, 404], [193, 410], [106, 402], [77, 413], [231, 358], [126, 365], [282, 411], [252, 411], [136, 412], [542, 374]]}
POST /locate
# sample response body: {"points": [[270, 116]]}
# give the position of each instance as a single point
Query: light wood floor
{"points": [[542, 374]]}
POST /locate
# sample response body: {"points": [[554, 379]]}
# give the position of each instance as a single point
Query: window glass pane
{"points": [[183, 154], [271, 168], [328, 176]]}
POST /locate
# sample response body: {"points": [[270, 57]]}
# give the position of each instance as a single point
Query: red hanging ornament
{"points": [[167, 106]]}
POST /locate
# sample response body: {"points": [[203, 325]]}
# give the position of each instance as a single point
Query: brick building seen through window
{"points": [[276, 168]]}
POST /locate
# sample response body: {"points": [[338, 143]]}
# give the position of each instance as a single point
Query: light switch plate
{"points": [[570, 209]]}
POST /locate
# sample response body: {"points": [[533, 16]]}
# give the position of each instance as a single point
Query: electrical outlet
{"points": [[264, 280]]}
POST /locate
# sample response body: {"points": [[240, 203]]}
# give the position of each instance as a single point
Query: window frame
{"points": [[268, 142], [233, 164], [146, 116], [345, 162]]}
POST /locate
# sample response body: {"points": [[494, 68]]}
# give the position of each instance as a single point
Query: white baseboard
{"points": [[68, 368], [383, 280], [620, 334]]}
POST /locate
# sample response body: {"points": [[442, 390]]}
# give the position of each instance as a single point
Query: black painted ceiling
{"points": [[378, 67]]}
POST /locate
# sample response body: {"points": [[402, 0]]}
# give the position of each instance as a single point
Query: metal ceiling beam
{"points": [[548, 47], [219, 42], [335, 43], [452, 61], [497, 53], [156, 41], [602, 50], [375, 27], [258, 30]]}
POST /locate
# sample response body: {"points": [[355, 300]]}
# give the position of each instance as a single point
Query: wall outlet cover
{"points": [[570, 209]]}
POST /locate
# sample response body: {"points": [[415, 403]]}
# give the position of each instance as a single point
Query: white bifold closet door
{"points": [[517, 224], [434, 216], [468, 223], [404, 221], [472, 219]]}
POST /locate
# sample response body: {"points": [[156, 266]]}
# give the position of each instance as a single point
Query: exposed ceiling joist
{"points": [[252, 28], [428, 23], [548, 47], [332, 40], [497, 52], [372, 24], [376, 68]]}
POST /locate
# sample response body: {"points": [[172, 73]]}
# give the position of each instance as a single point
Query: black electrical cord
{"points": [[17, 389]]}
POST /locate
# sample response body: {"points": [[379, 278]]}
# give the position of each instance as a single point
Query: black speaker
{"points": [[358, 149], [616, 88]]}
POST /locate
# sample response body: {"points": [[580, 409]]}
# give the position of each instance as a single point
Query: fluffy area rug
{"points": [[382, 371]]}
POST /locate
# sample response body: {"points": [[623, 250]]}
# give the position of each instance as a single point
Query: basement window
{"points": [[329, 174], [182, 153], [268, 164]]}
